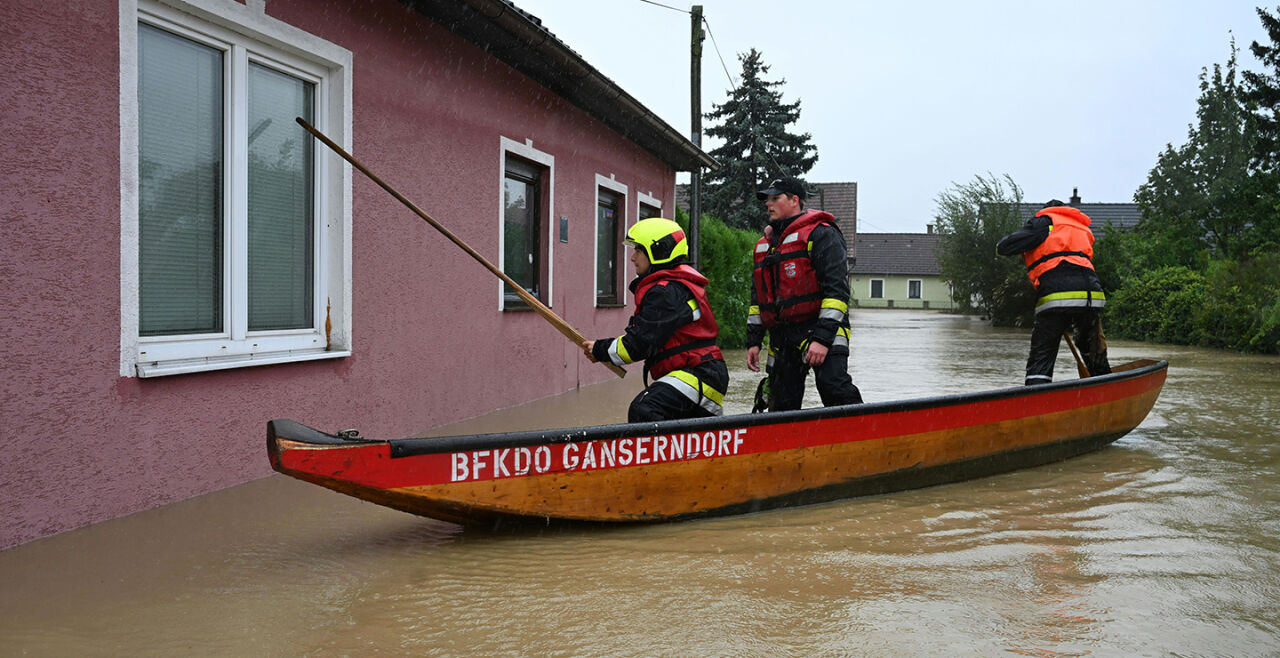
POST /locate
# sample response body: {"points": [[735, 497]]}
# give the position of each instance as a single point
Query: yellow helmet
{"points": [[662, 239]]}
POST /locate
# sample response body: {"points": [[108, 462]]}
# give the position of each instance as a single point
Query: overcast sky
{"points": [[908, 98]]}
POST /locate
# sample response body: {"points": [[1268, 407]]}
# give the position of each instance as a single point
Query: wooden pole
{"points": [[547, 314], [695, 130], [1080, 367]]}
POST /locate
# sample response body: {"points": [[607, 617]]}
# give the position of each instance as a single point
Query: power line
{"points": [[683, 11]]}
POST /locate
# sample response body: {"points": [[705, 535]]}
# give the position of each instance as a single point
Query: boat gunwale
{"points": [[408, 447]]}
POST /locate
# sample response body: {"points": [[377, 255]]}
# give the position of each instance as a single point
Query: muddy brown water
{"points": [[1164, 543]]}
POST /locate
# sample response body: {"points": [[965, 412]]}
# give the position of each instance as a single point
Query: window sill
{"points": [[184, 366], [610, 305]]}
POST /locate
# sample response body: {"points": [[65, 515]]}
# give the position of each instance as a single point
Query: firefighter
{"points": [[673, 330], [1057, 247], [800, 297]]}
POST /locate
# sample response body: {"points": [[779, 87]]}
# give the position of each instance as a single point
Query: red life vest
{"points": [[786, 283], [692, 343], [1070, 241]]}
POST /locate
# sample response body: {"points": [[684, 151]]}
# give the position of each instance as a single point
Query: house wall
{"points": [[935, 293], [429, 343]]}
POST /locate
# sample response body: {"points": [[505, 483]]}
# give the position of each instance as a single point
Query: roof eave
{"points": [[513, 36]]}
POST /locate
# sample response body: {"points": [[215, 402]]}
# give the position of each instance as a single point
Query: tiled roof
{"points": [[1120, 215], [896, 253]]}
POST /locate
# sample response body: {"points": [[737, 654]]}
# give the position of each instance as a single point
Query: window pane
{"points": [[281, 224], [877, 288], [647, 211], [607, 247], [180, 165], [913, 289], [520, 233]]}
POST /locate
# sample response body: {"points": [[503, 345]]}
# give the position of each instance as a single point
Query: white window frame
{"points": [[610, 183], [525, 150], [871, 289], [648, 200], [920, 284], [248, 35]]}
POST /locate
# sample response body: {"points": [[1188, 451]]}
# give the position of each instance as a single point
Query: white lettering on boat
{"points": [[501, 463]]}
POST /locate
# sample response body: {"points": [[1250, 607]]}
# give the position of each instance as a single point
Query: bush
{"points": [[726, 261], [1158, 306]]}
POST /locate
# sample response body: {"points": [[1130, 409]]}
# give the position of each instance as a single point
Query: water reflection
{"points": [[1164, 543]]}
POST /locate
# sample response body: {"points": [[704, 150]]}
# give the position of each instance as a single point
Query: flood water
{"points": [[1165, 543]]}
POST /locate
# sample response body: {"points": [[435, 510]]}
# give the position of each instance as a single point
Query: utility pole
{"points": [[695, 107]]}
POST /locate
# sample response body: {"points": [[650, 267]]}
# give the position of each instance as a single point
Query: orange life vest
{"points": [[1069, 241], [785, 281], [692, 343]]}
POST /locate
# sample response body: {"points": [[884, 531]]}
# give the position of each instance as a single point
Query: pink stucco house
{"points": [[181, 263]]}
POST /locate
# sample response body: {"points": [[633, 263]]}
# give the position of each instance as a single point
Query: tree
{"points": [[757, 145], [1263, 90], [971, 220], [1204, 196]]}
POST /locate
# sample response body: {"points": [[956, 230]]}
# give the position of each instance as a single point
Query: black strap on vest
{"points": [[778, 306], [1056, 254], [687, 347]]}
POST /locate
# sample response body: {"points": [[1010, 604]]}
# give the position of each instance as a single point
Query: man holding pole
{"points": [[1057, 247], [673, 330]]}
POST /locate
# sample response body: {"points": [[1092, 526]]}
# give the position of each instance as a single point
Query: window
{"points": [[648, 206], [607, 248], [235, 233], [877, 288], [525, 238], [522, 227], [611, 199], [913, 288]]}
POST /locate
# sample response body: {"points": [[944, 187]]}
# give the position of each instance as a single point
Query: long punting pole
{"points": [[547, 314], [1080, 367]]}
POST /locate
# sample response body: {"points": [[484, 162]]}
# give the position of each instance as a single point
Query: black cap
{"points": [[785, 185], [1053, 203]]}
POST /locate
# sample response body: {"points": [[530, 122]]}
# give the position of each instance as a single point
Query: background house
{"points": [[1123, 216], [182, 263], [897, 270]]}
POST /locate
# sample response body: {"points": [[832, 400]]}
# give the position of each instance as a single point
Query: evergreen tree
{"points": [[757, 146], [1263, 90]]}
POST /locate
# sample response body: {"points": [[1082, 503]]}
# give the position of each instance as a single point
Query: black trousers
{"points": [[1085, 325], [663, 402], [789, 372]]}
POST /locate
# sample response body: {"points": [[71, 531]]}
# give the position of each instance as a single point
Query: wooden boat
{"points": [[730, 465]]}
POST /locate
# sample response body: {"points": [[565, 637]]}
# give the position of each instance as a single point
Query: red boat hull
{"points": [[718, 466]]}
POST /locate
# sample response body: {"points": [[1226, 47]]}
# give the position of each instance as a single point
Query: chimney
{"points": [[1075, 196], [929, 228]]}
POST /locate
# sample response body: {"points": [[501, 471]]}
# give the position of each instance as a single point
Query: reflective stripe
{"points": [[791, 238], [697, 312], [829, 302], [833, 309], [1044, 377], [761, 248], [1072, 299], [842, 337], [618, 352], [700, 394], [753, 315]]}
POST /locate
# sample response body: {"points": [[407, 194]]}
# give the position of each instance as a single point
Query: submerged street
{"points": [[1163, 543]]}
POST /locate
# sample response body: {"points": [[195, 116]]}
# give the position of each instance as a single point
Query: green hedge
{"points": [[1230, 305], [726, 262]]}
